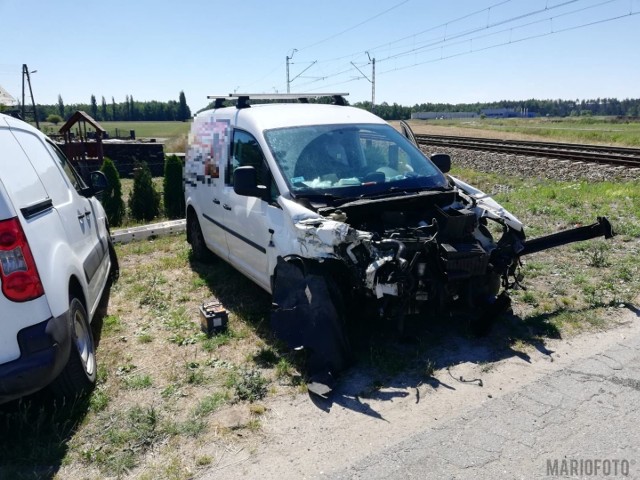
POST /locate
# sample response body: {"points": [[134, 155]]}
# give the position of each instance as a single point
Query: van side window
{"points": [[247, 152], [71, 174]]}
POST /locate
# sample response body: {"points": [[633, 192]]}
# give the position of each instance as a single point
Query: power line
{"points": [[576, 27], [354, 27], [447, 42], [487, 9], [336, 35], [519, 17], [446, 24]]}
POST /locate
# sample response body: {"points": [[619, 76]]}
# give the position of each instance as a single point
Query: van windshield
{"points": [[350, 160]]}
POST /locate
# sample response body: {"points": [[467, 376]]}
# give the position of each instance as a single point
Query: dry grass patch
{"points": [[164, 382]]}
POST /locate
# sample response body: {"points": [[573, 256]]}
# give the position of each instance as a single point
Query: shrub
{"points": [[144, 203], [53, 118], [173, 191], [112, 195]]}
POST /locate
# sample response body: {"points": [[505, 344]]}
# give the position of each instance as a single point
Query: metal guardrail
{"points": [[126, 235]]}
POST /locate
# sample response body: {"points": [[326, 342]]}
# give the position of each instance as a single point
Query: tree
{"points": [[104, 109], [184, 113], [144, 202], [112, 195], [113, 109], [60, 106], [53, 118], [132, 109], [174, 206], [94, 107]]}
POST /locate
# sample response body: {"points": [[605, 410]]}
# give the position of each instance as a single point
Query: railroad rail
{"points": [[620, 156]]}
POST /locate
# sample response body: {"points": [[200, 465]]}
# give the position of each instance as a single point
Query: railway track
{"points": [[625, 157]]}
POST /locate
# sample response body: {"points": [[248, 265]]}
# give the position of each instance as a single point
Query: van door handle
{"points": [[226, 207], [216, 201], [87, 213]]}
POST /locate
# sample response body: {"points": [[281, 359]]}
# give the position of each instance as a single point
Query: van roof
{"points": [[17, 123], [278, 115]]}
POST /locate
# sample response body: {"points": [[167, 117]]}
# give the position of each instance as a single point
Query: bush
{"points": [[173, 191], [112, 195], [53, 118], [144, 203]]}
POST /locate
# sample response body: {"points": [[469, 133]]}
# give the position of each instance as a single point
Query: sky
{"points": [[452, 51]]}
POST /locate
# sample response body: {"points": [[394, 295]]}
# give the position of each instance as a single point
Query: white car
{"points": [[332, 210], [56, 260]]}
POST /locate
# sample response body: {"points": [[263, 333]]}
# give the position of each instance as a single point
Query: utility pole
{"points": [[371, 80], [26, 74], [289, 58], [373, 83], [289, 80]]}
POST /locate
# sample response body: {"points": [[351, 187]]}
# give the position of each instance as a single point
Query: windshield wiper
{"points": [[316, 196]]}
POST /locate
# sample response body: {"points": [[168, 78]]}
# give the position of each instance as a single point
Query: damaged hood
{"points": [[318, 236], [485, 206]]}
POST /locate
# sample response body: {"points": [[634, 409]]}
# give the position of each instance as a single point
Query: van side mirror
{"points": [[98, 184], [442, 161], [245, 183]]}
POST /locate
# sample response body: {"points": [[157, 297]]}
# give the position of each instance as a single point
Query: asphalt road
{"points": [[581, 421]]}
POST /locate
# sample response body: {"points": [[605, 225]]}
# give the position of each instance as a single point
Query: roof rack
{"points": [[242, 99]]}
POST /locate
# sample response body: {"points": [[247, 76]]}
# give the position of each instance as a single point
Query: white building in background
{"points": [[5, 98]]}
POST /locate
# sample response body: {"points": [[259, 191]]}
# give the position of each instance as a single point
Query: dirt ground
{"points": [[305, 437]]}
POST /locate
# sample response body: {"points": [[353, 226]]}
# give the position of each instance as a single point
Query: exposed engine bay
{"points": [[419, 253], [430, 248]]}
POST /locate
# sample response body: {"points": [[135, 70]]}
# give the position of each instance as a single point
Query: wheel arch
{"points": [[76, 290]]}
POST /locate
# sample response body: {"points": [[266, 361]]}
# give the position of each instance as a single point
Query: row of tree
{"points": [[554, 108], [129, 110]]}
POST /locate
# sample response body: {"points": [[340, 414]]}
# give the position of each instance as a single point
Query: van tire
{"points": [[199, 248], [79, 375], [340, 334]]}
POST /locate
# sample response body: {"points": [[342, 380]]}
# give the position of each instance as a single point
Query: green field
{"points": [[599, 130], [150, 129], [168, 130]]}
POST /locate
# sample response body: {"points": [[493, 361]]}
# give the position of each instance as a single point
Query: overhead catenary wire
{"points": [[510, 41], [347, 68], [331, 37], [447, 43]]}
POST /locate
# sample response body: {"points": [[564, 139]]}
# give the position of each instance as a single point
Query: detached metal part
{"points": [[602, 228]]}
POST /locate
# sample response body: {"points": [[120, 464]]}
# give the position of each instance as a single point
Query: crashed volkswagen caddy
{"points": [[328, 207]]}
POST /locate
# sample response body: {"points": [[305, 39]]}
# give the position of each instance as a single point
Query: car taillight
{"points": [[18, 272]]}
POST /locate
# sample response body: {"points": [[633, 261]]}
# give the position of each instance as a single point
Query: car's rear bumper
{"points": [[44, 351]]}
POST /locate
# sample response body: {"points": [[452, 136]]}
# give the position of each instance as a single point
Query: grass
{"points": [[142, 129], [164, 387], [599, 130]]}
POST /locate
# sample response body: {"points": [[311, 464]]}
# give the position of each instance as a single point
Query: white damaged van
{"points": [[333, 211]]}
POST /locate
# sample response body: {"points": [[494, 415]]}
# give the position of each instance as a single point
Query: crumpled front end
{"points": [[419, 253], [428, 250]]}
